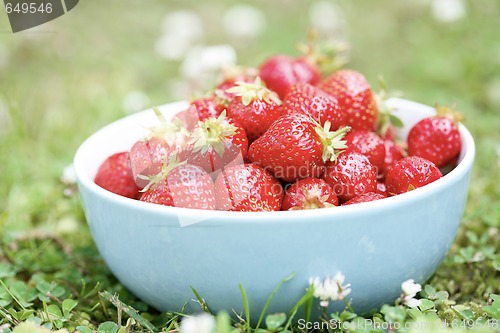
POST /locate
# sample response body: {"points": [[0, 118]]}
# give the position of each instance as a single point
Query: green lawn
{"points": [[64, 80]]}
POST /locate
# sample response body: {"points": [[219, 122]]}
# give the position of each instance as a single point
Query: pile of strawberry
{"points": [[281, 137]]}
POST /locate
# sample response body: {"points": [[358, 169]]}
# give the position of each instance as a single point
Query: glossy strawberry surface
{"points": [[186, 186], [354, 95], [410, 173], [436, 139], [393, 152], [254, 107], [309, 193], [248, 188], [293, 148], [147, 157], [369, 144], [381, 189], [115, 175], [280, 72], [207, 107], [216, 143], [351, 175], [365, 197], [309, 100]]}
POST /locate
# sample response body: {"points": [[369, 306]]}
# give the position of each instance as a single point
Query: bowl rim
{"points": [[468, 151]]}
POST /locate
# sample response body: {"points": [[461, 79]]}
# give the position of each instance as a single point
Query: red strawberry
{"points": [[247, 188], [230, 76], [436, 138], [254, 107], [309, 193], [181, 185], [365, 197], [354, 95], [296, 147], [369, 144], [351, 175], [310, 100], [388, 133], [207, 107], [393, 152], [147, 155], [115, 175], [280, 72], [410, 173], [215, 143], [381, 189], [187, 118]]}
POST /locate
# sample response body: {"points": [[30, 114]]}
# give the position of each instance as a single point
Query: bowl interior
{"points": [[122, 134]]}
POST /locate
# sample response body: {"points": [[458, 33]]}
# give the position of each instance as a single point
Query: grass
{"points": [[71, 76]]}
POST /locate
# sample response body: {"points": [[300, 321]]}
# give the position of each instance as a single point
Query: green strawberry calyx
{"points": [[173, 132], [167, 167], [212, 133], [222, 98], [327, 56], [333, 143], [449, 112], [312, 199], [250, 92], [231, 73]]}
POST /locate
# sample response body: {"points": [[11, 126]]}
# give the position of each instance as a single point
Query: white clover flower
{"points": [[244, 21], [344, 290], [410, 290], [203, 63], [203, 323], [332, 289], [69, 176], [448, 10], [172, 46], [182, 30], [328, 19], [135, 101], [67, 225], [184, 23], [412, 302], [214, 58]]}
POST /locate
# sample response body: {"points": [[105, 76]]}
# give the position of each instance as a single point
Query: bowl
{"points": [[160, 252]]}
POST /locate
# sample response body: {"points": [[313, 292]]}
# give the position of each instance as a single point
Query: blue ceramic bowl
{"points": [[158, 252]]}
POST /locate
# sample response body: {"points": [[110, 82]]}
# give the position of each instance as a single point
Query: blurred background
{"points": [[63, 80]]}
